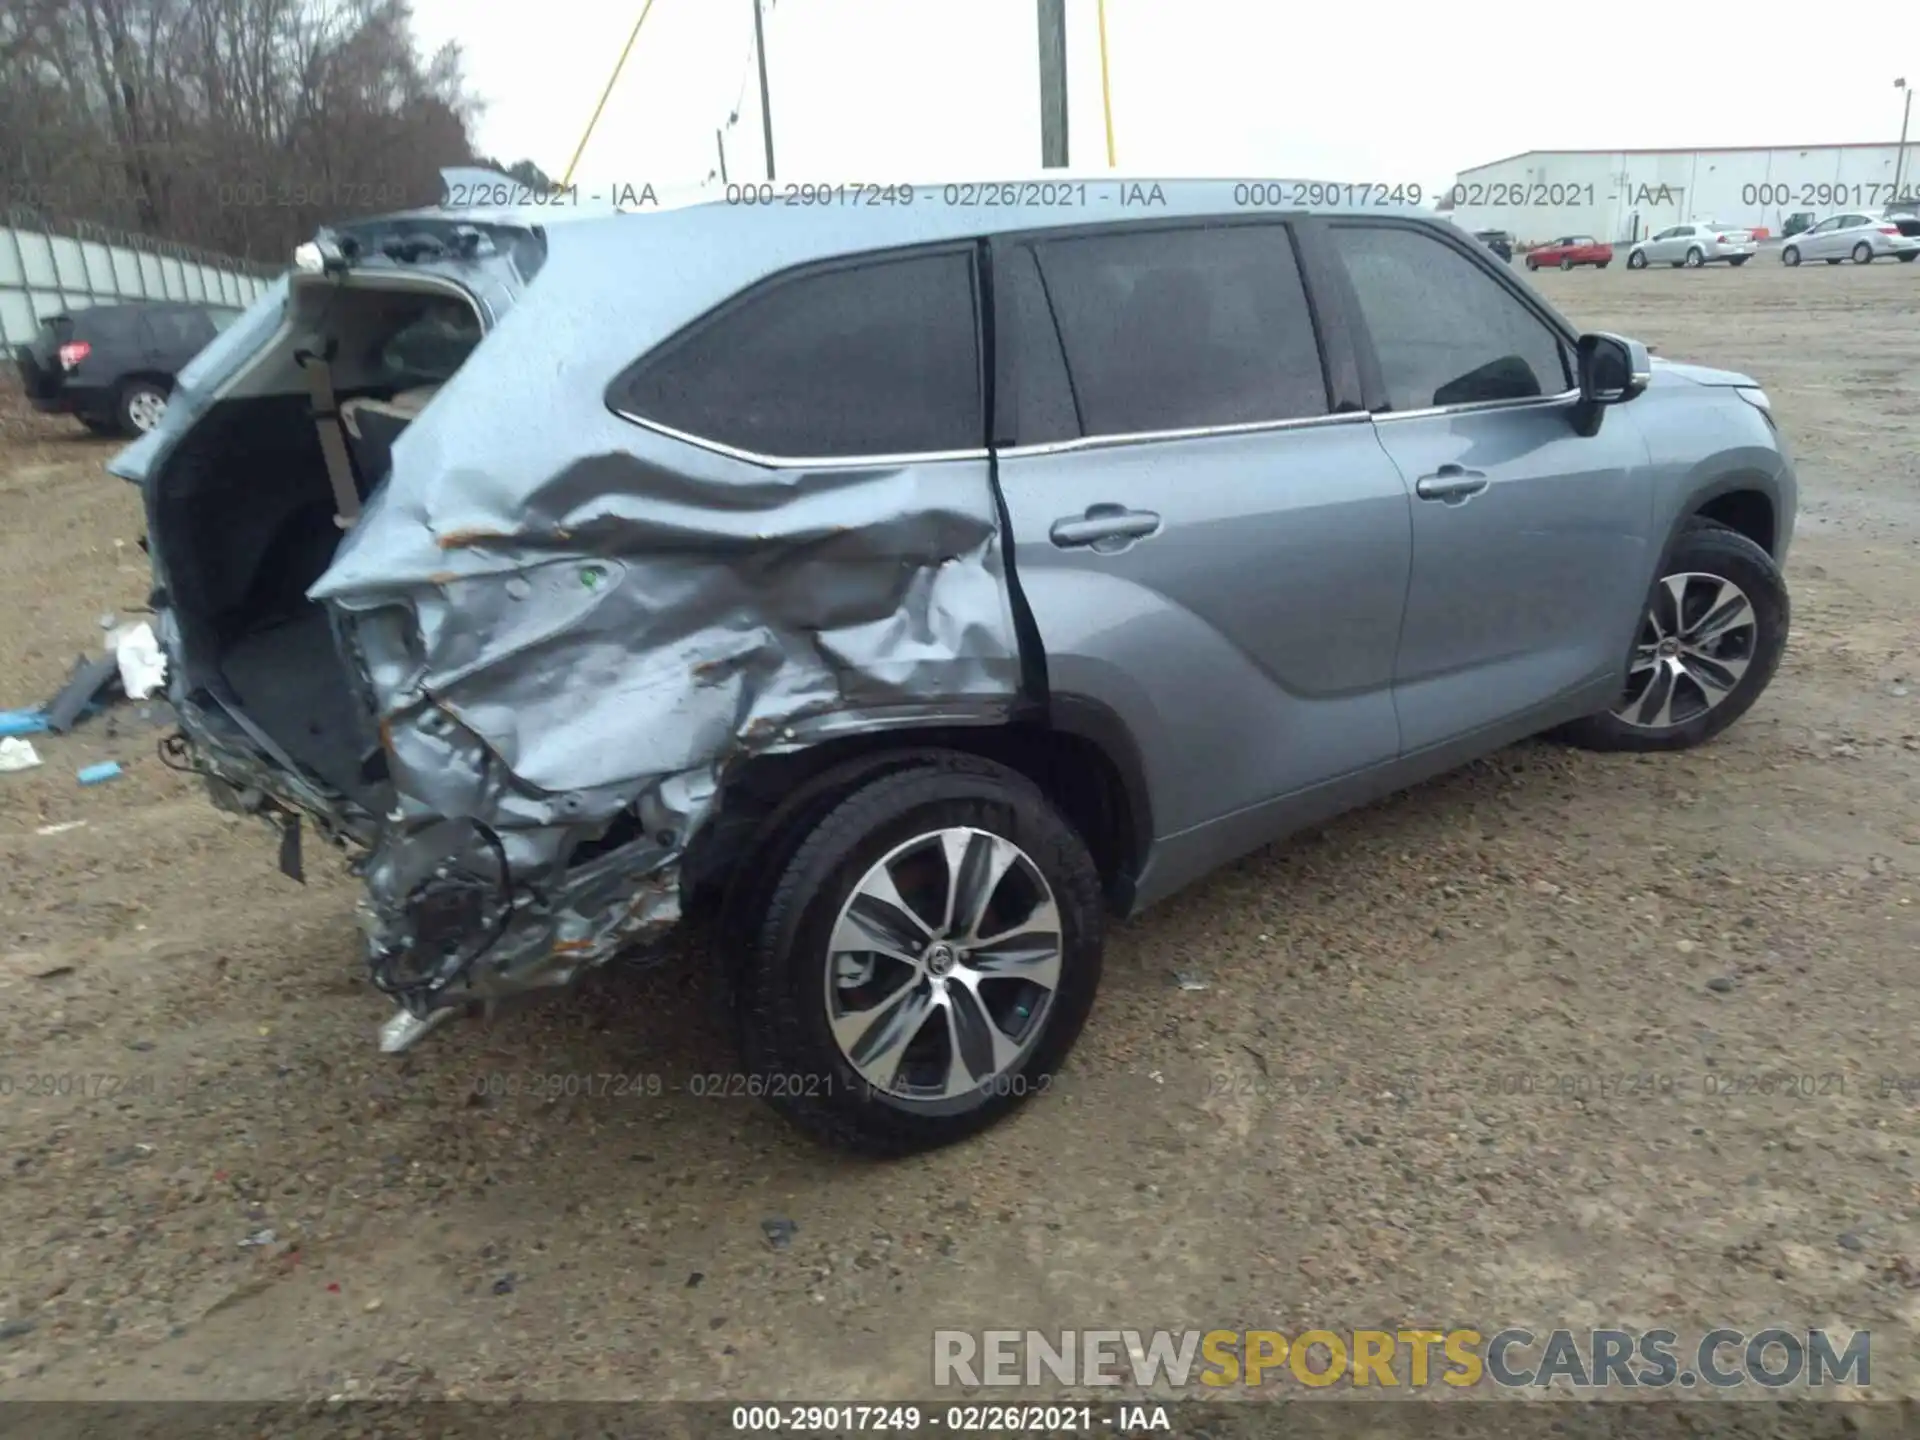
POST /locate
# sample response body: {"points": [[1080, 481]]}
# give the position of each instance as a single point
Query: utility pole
{"points": [[720, 139], [1053, 84], [1900, 155], [766, 113]]}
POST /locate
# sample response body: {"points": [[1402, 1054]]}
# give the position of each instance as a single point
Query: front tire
{"points": [[925, 961], [1532, 264], [1637, 260], [1710, 639], [1790, 255], [1566, 264]]}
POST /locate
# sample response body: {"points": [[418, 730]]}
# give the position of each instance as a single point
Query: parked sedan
{"points": [[1571, 250], [1693, 245], [1856, 236]]}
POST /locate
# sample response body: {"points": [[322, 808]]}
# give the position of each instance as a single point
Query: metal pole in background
{"points": [[1053, 84], [1106, 88], [1900, 155], [766, 113], [720, 139]]}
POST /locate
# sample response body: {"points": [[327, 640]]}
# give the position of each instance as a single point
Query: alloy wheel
{"points": [[943, 965], [1695, 643]]}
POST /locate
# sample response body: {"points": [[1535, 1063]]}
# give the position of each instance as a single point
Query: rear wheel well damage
{"points": [[1749, 512], [767, 801]]}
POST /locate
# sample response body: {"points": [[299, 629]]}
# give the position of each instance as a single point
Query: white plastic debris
{"points": [[17, 754], [143, 664], [61, 828]]}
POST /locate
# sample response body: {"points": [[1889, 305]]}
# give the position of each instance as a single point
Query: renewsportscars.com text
{"points": [[1773, 1358]]}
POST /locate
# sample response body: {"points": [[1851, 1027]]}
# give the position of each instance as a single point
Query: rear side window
{"points": [[1445, 331], [877, 358], [1184, 329], [177, 332]]}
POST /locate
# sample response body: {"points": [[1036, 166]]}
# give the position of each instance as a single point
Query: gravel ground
{"points": [[1481, 1054]]}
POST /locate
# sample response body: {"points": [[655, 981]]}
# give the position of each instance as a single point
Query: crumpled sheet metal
{"points": [[607, 616]]}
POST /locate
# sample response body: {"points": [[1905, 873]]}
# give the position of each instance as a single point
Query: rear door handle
{"points": [[1105, 528], [1451, 483]]}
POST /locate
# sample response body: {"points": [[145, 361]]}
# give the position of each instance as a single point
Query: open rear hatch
{"points": [[277, 436]]}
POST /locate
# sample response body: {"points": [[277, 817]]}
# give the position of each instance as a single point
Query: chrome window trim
{"points": [[1197, 432], [1476, 406], [801, 462]]}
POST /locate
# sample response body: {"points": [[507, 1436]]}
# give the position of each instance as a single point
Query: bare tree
{"points": [[237, 125]]}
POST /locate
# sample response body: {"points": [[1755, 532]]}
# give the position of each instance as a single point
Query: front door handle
{"points": [[1105, 528], [1451, 483]]}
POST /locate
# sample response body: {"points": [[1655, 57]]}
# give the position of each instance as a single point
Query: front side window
{"points": [[876, 358], [1184, 329], [1445, 331]]}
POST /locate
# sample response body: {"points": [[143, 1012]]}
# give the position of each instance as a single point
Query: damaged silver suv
{"points": [[914, 587]]}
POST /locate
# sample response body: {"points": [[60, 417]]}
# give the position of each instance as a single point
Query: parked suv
{"points": [[1694, 245], [916, 590], [1498, 241], [113, 366]]}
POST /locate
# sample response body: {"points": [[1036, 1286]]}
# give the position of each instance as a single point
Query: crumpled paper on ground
{"points": [[143, 664], [17, 754]]}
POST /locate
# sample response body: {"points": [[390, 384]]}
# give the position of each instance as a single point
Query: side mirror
{"points": [[1612, 370]]}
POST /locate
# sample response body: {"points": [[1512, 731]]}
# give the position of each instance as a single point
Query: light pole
{"points": [[1900, 155], [766, 110]]}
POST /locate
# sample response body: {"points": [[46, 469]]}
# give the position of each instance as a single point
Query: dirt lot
{"points": [[1336, 1132]]}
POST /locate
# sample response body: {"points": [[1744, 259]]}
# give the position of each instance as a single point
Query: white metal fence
{"points": [[47, 273]]}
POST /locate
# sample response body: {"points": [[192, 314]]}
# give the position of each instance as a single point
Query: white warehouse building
{"points": [[1625, 195]]}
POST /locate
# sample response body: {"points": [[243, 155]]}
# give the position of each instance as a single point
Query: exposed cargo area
{"points": [[246, 515]]}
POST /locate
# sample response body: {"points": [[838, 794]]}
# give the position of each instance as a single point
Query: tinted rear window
{"points": [[875, 358], [1184, 329]]}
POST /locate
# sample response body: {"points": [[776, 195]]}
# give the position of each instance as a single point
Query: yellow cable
{"points": [[605, 94], [1106, 90]]}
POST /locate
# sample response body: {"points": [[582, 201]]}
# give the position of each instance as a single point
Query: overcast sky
{"points": [[1387, 92]]}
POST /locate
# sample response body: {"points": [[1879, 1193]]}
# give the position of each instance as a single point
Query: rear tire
{"points": [[793, 978], [1863, 254], [1532, 264], [1696, 257], [140, 406], [1566, 264], [1908, 257], [1739, 260], [1725, 570]]}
